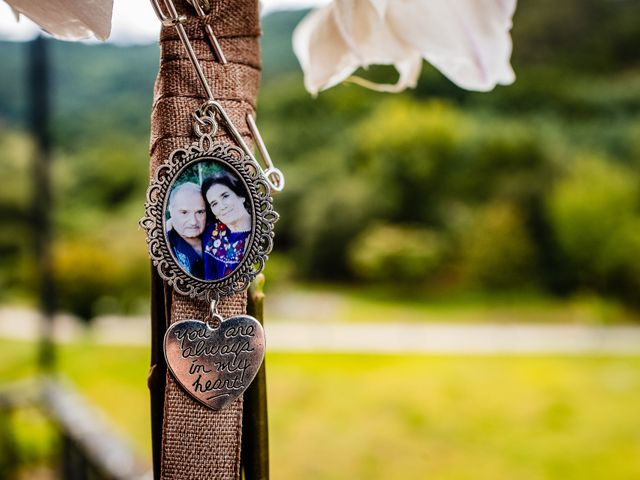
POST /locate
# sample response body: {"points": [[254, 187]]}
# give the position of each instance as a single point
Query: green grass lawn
{"points": [[393, 416]]}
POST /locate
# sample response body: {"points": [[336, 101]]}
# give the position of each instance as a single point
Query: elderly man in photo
{"points": [[188, 218]]}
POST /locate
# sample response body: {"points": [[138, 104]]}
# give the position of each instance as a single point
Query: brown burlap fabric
{"points": [[199, 443]]}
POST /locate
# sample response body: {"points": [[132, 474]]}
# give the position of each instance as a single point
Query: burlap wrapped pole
{"points": [[199, 443]]}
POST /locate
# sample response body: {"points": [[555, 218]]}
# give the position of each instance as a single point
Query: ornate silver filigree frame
{"points": [[263, 218]]}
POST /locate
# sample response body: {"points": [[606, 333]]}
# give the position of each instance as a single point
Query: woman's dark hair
{"points": [[228, 180]]}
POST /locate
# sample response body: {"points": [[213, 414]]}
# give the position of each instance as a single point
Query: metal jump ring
{"points": [[203, 122], [208, 104]]}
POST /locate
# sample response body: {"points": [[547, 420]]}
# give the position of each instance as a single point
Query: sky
{"points": [[133, 20]]}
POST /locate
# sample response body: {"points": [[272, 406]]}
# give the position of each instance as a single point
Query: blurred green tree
{"points": [[596, 217]]}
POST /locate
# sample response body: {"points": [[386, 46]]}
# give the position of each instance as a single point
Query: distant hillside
{"points": [[90, 83], [12, 93], [277, 52], [90, 79]]}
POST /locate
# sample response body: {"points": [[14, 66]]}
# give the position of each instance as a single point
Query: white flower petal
{"points": [[367, 34], [321, 50], [331, 43], [68, 19], [467, 40], [408, 70], [380, 6]]}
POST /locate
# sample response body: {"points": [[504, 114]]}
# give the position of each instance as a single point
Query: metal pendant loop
{"points": [[214, 319]]}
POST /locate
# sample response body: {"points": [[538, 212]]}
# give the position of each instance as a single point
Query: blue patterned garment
{"points": [[223, 250]]}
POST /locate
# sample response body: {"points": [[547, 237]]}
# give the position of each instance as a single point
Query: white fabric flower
{"points": [[68, 19], [467, 40]]}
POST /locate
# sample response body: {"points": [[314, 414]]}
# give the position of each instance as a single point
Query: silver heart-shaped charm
{"points": [[215, 365]]}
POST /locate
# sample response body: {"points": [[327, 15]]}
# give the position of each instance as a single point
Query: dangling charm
{"points": [[209, 220], [215, 360]]}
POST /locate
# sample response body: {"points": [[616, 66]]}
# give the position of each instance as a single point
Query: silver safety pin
{"points": [[273, 175], [217, 50], [175, 20]]}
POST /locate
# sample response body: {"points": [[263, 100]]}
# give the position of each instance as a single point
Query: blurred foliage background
{"points": [[397, 207], [530, 188]]}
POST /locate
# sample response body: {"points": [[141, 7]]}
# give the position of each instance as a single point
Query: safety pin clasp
{"points": [[167, 19], [274, 175]]}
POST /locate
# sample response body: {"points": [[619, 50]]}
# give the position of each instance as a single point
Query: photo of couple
{"points": [[207, 221]]}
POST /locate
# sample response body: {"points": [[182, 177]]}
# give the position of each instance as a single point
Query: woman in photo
{"points": [[227, 233]]}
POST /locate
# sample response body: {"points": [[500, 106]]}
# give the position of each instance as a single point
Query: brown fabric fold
{"points": [[199, 443]]}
